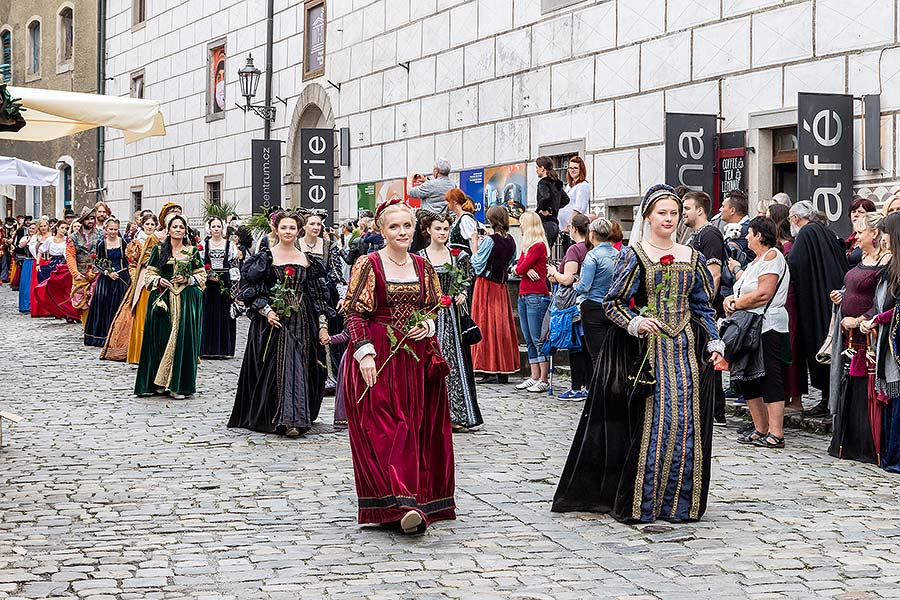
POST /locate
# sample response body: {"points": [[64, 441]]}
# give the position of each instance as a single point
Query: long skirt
{"points": [[219, 329], [171, 345], [851, 435], [463, 397], [340, 397], [58, 293], [137, 328], [400, 435], [282, 380], [793, 374], [15, 274], [41, 304], [36, 308], [642, 458], [890, 436], [105, 303], [498, 351], [119, 338], [27, 273]]}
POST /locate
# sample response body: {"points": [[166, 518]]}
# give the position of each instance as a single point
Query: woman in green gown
{"points": [[176, 278]]}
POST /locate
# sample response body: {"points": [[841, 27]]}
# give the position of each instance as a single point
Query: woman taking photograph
{"points": [[282, 378], [762, 287], [397, 408], [853, 431], [464, 411], [171, 342], [580, 361], [534, 299], [642, 448], [497, 355], [550, 197], [220, 260], [597, 272], [113, 280]]}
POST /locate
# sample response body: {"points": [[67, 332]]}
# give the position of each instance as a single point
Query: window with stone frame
{"points": [[6, 56], [551, 5], [33, 45], [65, 38], [214, 189], [137, 199], [137, 84], [138, 12]]}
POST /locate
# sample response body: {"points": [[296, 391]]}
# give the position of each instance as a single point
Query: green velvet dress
{"points": [[171, 345]]}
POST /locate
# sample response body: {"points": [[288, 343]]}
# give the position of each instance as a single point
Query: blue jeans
{"points": [[532, 308]]}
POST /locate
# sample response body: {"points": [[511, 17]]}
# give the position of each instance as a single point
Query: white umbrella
{"points": [[51, 114], [14, 171]]}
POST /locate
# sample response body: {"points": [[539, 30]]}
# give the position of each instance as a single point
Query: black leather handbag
{"points": [[468, 329]]}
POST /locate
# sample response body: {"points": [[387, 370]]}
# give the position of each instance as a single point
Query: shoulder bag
{"points": [[742, 331]]}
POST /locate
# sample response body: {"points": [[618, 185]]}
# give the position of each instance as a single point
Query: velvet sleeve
{"points": [[198, 271], [315, 286], [360, 301], [701, 310], [617, 302], [432, 286], [71, 260], [254, 292]]}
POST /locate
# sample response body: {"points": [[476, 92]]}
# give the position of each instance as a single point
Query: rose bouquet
{"points": [[415, 319], [284, 300]]}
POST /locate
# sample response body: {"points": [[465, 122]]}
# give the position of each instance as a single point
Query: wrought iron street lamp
{"points": [[248, 76]]}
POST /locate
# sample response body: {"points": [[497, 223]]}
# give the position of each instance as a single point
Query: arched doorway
{"points": [[313, 109]]}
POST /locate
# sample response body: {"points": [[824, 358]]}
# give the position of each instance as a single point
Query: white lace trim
{"points": [[634, 324]]}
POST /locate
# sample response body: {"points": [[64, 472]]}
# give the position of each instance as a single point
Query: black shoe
{"points": [[503, 379], [489, 379], [720, 420], [819, 411]]}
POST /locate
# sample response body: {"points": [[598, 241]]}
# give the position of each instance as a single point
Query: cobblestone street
{"points": [[104, 495]]}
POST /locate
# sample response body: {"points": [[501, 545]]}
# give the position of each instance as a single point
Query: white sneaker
{"points": [[526, 384], [539, 386]]}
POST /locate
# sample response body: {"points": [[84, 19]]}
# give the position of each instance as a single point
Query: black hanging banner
{"points": [[265, 167], [690, 151], [317, 169], [825, 156]]}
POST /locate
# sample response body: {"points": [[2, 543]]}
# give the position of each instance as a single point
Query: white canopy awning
{"points": [[14, 171], [52, 114]]}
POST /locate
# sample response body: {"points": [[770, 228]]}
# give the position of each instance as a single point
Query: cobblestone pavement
{"points": [[103, 496]]}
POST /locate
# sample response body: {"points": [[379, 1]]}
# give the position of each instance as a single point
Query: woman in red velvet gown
{"points": [[400, 431]]}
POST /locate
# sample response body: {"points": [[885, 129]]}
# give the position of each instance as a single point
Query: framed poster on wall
{"points": [[314, 39]]}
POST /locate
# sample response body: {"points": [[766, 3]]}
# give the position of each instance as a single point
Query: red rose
{"points": [[289, 271], [446, 301], [207, 266], [199, 247], [455, 251], [93, 256], [666, 260]]}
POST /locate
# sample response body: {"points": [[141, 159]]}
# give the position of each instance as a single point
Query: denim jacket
{"points": [[597, 273]]}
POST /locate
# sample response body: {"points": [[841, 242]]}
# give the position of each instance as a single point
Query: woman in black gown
{"points": [[282, 378], [220, 259]]}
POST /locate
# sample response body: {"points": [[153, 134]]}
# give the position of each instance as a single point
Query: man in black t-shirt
{"points": [[709, 241], [706, 239]]}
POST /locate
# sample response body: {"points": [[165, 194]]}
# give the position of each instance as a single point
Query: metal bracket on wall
{"points": [[336, 86], [405, 65]]}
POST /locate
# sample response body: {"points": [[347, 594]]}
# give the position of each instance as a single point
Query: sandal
{"points": [[769, 441], [752, 437]]}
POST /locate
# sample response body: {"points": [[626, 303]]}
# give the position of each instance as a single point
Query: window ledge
{"points": [[65, 67], [210, 117], [29, 77], [138, 26]]}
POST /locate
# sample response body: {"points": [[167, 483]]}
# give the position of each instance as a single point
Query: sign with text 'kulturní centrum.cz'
{"points": [[265, 174]]}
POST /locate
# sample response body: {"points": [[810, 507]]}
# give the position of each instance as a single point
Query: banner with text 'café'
{"points": [[825, 156]]}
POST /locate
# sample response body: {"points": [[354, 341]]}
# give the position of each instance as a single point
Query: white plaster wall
{"points": [[491, 81]]}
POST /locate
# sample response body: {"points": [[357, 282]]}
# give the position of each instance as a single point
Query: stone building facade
{"points": [[492, 82], [52, 44]]}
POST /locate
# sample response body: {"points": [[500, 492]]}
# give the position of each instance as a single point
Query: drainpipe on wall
{"points": [[270, 34], [101, 89]]}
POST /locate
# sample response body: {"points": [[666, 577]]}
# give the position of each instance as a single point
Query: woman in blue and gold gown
{"points": [[642, 449]]}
